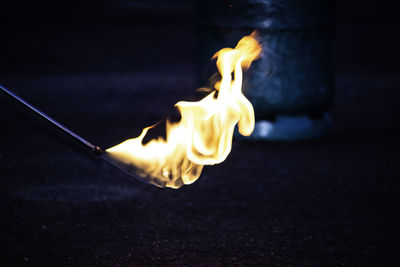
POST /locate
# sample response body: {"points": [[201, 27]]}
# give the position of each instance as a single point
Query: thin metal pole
{"points": [[96, 149]]}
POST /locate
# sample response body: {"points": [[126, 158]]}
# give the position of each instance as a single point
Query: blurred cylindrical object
{"points": [[291, 86]]}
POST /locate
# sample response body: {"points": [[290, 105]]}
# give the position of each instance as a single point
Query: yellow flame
{"points": [[204, 134]]}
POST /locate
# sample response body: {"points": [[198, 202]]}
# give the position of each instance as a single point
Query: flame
{"points": [[204, 134]]}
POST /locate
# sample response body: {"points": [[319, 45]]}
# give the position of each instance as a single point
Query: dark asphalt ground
{"points": [[327, 202]]}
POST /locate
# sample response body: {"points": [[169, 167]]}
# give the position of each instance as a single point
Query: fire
{"points": [[204, 134]]}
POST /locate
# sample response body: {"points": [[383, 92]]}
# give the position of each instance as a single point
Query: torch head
{"points": [[132, 170]]}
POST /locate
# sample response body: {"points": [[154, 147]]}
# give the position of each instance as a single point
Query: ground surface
{"points": [[327, 202]]}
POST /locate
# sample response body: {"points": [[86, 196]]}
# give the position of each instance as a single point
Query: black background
{"points": [[108, 69]]}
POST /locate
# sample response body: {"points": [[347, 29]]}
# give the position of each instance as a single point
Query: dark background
{"points": [[106, 70]]}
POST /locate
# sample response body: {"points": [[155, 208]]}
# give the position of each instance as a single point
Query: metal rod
{"points": [[96, 149]]}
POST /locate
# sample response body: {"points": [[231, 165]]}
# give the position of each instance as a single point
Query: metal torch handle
{"points": [[96, 149]]}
